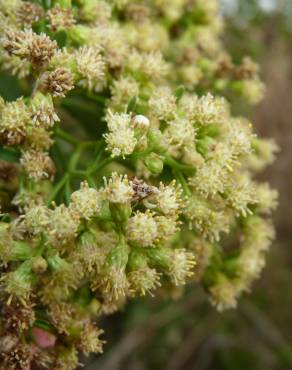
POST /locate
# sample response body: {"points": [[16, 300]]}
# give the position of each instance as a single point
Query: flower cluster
{"points": [[122, 167]]}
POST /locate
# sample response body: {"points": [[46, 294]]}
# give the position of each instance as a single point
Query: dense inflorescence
{"points": [[123, 169]]}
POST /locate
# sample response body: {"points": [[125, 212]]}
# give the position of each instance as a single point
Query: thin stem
{"points": [[78, 173], [90, 181], [65, 136], [181, 179], [75, 157], [68, 192], [99, 166], [57, 189], [95, 163], [174, 164]]}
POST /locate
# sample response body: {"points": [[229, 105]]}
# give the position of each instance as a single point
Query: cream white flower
{"points": [[85, 202], [168, 198], [117, 189], [206, 109], [181, 266], [118, 121], [162, 103], [90, 67], [121, 143], [142, 229], [224, 295], [63, 226]]}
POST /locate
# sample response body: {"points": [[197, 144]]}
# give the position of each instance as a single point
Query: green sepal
{"points": [[119, 255], [159, 257]]}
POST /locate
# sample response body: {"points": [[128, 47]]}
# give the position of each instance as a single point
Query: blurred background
{"points": [[186, 333]]}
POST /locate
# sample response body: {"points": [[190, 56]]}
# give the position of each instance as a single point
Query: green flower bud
{"points": [[159, 257], [94, 306], [19, 282], [118, 256], [203, 145], [212, 130], [156, 141], [21, 251], [39, 265], [120, 212], [12, 250], [154, 163], [141, 277], [137, 260], [114, 282], [80, 34], [57, 263]]}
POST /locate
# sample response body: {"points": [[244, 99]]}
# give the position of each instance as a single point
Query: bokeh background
{"points": [[186, 333]]}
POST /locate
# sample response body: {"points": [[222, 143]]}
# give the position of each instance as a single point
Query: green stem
{"points": [[57, 189], [181, 179], [179, 166], [68, 192], [65, 136], [90, 181], [78, 173], [71, 139], [98, 154], [75, 157], [99, 166]]}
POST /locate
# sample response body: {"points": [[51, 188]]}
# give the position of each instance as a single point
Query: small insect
{"points": [[141, 189]]}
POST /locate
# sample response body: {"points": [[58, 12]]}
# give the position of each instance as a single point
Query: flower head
{"points": [[85, 202], [142, 229], [117, 189], [90, 67]]}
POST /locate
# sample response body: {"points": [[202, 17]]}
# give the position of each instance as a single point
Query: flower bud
{"points": [[94, 307], [79, 34], [42, 111], [156, 141], [118, 256], [114, 283], [120, 212], [154, 163], [204, 144], [141, 125], [136, 260], [141, 121], [19, 282], [159, 257], [141, 277], [39, 265]]}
